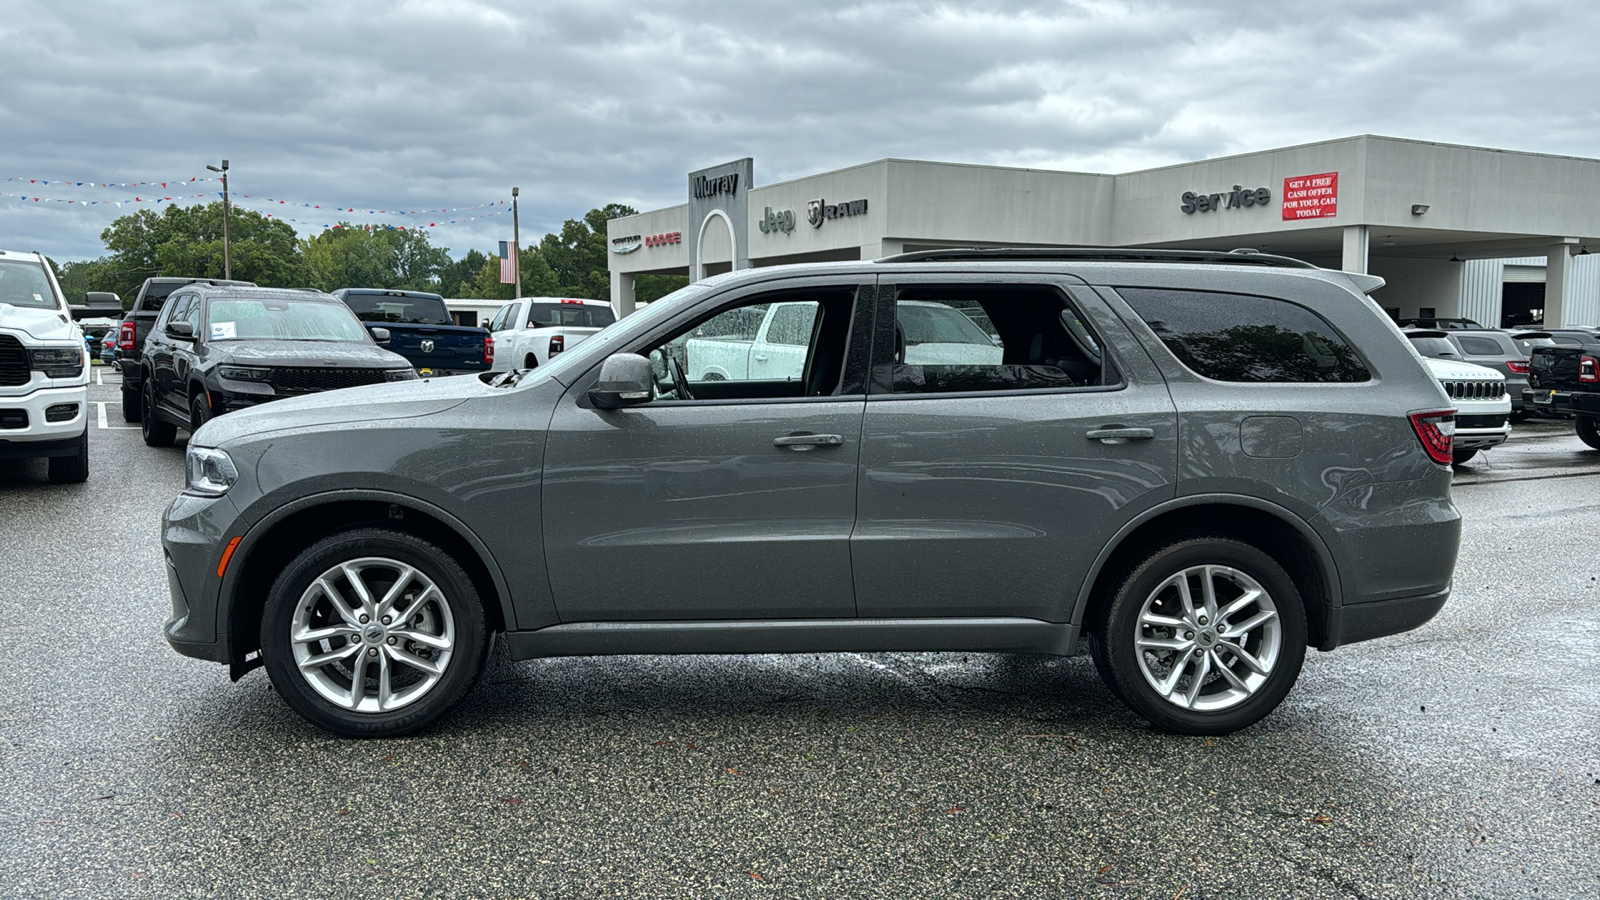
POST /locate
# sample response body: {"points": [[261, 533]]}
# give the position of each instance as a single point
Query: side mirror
{"points": [[98, 304], [624, 381], [381, 335], [181, 330]]}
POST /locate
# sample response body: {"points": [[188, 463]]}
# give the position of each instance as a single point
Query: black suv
{"points": [[135, 327], [218, 348]]}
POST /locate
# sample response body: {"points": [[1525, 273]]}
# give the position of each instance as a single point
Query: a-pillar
{"points": [[1558, 282], [1355, 249], [622, 292]]}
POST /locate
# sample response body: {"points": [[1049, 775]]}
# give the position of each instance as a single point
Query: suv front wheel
{"points": [[373, 633], [1204, 635]]}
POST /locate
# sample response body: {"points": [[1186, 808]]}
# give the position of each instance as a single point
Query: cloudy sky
{"points": [[403, 105]]}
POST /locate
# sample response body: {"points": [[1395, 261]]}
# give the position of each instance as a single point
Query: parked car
{"points": [[108, 347], [44, 370], [135, 325], [1193, 464], [215, 349], [1483, 408], [529, 331], [420, 330], [1488, 347]]}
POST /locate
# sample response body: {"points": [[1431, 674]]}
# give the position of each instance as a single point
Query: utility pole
{"points": [[516, 242], [227, 259]]}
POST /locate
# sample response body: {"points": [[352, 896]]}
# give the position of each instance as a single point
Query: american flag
{"points": [[508, 263]]}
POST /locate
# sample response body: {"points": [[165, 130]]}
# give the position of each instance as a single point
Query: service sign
{"points": [[1311, 197]]}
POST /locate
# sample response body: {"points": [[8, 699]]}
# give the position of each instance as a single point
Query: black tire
{"points": [[1123, 665], [1589, 431], [157, 432], [1460, 456], [530, 361], [1520, 415], [72, 469], [199, 411], [461, 667], [130, 403]]}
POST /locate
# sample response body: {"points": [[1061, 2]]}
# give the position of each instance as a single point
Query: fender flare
{"points": [[1330, 571], [228, 590]]}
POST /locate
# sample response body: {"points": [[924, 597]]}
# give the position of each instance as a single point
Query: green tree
{"points": [[187, 240], [458, 277], [352, 256]]}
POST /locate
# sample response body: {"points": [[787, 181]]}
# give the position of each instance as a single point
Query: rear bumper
{"points": [[1558, 401], [1365, 621]]}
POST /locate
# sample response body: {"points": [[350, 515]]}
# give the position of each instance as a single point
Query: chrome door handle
{"points": [[807, 441], [1120, 435]]}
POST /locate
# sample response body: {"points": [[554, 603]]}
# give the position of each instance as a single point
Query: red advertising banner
{"points": [[1311, 197]]}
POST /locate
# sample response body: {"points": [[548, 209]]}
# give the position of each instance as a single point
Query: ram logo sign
{"points": [[819, 211]]}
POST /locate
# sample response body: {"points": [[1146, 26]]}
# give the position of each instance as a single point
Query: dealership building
{"points": [[1497, 236]]}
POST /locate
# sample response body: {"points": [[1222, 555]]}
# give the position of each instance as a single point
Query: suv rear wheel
{"points": [[373, 633], [1204, 635]]}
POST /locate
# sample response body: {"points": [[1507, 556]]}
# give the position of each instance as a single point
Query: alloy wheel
{"points": [[1208, 638], [372, 635]]}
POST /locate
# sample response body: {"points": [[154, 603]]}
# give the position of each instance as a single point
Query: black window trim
{"points": [[880, 384]]}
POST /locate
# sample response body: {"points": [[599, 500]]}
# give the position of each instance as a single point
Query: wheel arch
{"points": [[272, 543], [1298, 548]]}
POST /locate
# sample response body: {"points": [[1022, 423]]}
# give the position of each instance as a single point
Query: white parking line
{"points": [[101, 405]]}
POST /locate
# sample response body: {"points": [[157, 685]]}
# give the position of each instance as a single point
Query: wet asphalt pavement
{"points": [[1459, 760]]}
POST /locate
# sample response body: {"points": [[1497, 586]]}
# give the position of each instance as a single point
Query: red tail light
{"points": [[1436, 430], [125, 337], [1521, 368], [558, 343], [488, 351], [1589, 370]]}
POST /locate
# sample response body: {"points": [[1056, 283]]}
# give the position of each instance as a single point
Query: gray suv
{"points": [[1195, 465]]}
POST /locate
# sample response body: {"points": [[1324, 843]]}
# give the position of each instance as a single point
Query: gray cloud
{"points": [[429, 104]]}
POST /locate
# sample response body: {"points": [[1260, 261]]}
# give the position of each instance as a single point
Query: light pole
{"points": [[227, 259], [516, 242]]}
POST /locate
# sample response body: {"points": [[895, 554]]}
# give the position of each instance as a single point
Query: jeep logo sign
{"points": [[1193, 202], [782, 220]]}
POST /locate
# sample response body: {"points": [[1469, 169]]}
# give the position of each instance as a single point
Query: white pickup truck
{"points": [[756, 343], [44, 369], [529, 330]]}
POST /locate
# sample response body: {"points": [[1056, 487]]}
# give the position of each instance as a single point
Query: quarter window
{"points": [[1245, 338]]}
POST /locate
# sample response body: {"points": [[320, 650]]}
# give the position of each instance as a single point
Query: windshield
{"points": [[25, 284], [1436, 347], [399, 308], [544, 315], [281, 320]]}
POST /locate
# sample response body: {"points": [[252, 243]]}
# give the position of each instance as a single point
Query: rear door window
{"points": [[1247, 338]]}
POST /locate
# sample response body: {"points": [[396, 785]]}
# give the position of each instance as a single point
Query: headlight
{"points": [[244, 373], [211, 471], [399, 374], [57, 362]]}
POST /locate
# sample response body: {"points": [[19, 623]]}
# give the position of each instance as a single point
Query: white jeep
{"points": [[44, 369]]}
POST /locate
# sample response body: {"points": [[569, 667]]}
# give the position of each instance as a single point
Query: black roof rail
{"points": [[1101, 254]]}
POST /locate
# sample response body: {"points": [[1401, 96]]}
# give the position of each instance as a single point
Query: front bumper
{"points": [[40, 417], [194, 532], [1481, 438]]}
